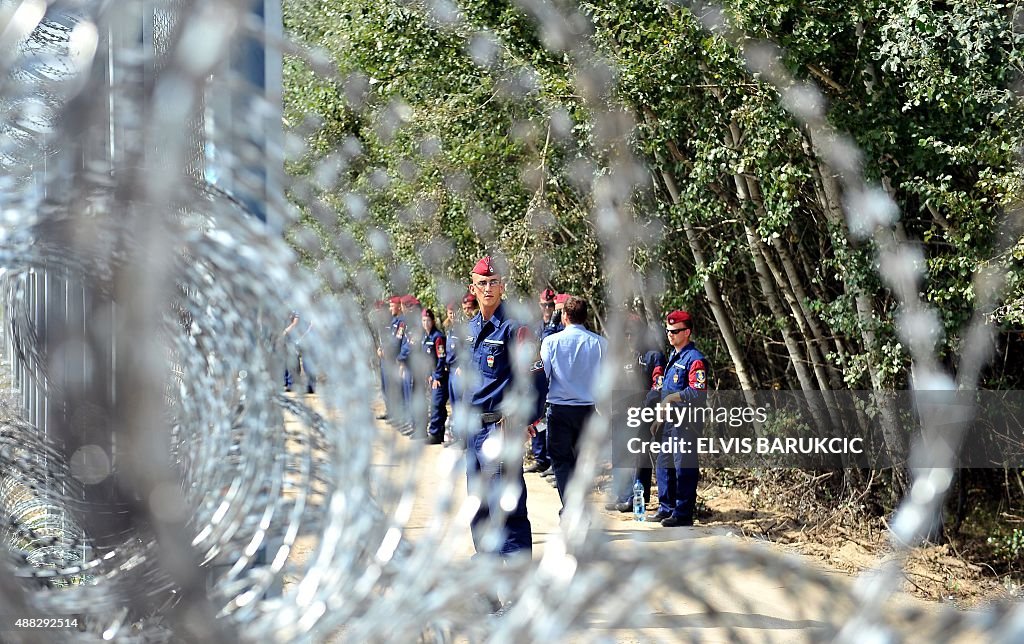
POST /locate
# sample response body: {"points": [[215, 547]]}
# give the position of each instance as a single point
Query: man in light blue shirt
{"points": [[572, 359]]}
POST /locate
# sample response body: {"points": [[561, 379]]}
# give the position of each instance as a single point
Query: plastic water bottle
{"points": [[639, 506]]}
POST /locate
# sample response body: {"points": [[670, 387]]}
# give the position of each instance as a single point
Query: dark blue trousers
{"points": [[678, 475], [384, 388], [539, 448], [489, 479], [452, 390], [407, 403], [438, 408], [309, 369], [565, 426], [624, 478]]}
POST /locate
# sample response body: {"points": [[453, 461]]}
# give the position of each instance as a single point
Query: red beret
{"points": [[409, 300], [469, 298], [547, 296], [678, 317], [561, 298], [394, 299], [485, 267]]}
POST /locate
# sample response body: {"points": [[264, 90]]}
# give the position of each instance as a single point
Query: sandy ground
{"points": [[723, 601]]}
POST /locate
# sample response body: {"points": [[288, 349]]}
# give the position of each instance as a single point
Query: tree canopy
{"points": [[441, 138]]}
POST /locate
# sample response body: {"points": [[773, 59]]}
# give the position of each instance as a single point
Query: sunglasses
{"points": [[486, 283], [675, 331], [547, 305]]}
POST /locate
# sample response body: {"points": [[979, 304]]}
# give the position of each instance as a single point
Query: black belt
{"points": [[490, 417]]}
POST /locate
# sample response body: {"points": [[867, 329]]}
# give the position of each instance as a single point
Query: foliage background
{"points": [[439, 140]]}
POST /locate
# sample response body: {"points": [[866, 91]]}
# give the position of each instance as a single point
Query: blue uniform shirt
{"points": [[434, 346], [401, 335], [451, 342], [491, 341], [647, 373], [686, 373], [544, 329]]}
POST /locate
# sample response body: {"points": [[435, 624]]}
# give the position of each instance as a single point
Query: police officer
{"points": [[456, 332], [539, 439], [557, 323], [394, 353], [492, 336], [433, 346], [411, 365], [548, 323], [685, 384], [287, 342], [642, 378], [379, 320]]}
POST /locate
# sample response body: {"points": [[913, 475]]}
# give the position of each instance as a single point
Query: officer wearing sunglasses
{"points": [[685, 383]]}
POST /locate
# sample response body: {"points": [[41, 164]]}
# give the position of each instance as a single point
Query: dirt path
{"points": [[750, 603], [724, 601]]}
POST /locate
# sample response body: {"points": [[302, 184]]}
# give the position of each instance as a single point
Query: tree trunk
{"points": [[722, 318], [830, 196], [718, 308], [764, 276]]}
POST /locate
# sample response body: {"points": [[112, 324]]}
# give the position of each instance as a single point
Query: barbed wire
{"points": [[165, 491]]}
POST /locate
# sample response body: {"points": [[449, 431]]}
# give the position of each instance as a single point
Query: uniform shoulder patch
{"points": [[657, 377], [698, 377], [439, 347]]}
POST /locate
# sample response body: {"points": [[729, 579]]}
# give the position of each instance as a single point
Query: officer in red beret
{"points": [[642, 378], [548, 325], [685, 383], [555, 324], [434, 346], [546, 302], [492, 337], [455, 338], [413, 369], [394, 353]]}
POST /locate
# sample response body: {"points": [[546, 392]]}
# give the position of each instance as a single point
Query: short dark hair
{"points": [[576, 310]]}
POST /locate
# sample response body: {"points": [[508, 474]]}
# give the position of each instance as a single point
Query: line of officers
{"points": [[429, 357], [431, 353], [426, 357]]}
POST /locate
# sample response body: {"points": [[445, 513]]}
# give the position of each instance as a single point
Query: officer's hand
{"points": [[380, 353], [674, 397], [656, 428], [435, 384], [531, 429]]}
